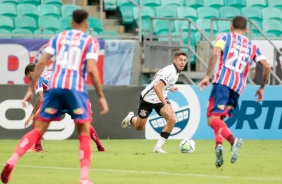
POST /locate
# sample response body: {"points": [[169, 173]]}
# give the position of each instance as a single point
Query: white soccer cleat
{"points": [[235, 149], [159, 150], [126, 122]]}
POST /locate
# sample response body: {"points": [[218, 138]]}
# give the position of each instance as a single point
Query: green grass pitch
{"points": [[132, 162]]}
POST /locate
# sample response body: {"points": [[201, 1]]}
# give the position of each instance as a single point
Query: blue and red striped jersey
{"points": [[237, 54]]}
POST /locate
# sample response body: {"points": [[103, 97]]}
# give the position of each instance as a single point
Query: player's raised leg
{"points": [[27, 141], [95, 138]]}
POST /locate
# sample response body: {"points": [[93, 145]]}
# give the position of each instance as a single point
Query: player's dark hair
{"points": [[239, 22], [29, 68], [78, 16], [179, 53]]}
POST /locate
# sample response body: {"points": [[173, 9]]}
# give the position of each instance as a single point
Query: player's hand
{"points": [[103, 105], [259, 95], [204, 83], [173, 89], [27, 98]]}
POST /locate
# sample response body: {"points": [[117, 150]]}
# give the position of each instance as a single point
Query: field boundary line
{"points": [[253, 178]]}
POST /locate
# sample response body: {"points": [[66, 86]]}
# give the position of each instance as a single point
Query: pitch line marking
{"points": [[278, 179]]}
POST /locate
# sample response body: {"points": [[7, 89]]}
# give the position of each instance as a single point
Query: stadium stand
{"points": [[229, 12], [22, 33], [34, 2], [5, 31], [49, 10], [6, 23], [67, 9], [48, 22], [110, 5], [172, 3], [194, 3], [214, 3], [235, 3], [14, 2], [272, 27], [95, 24], [29, 10], [207, 13], [260, 4], [187, 12], [271, 13], [57, 3]]}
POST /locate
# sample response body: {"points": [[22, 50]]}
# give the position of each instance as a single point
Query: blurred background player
{"points": [[76, 54], [41, 87], [154, 96], [236, 52]]}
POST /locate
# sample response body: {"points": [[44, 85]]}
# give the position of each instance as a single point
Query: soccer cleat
{"points": [[6, 173], [158, 150], [235, 149], [81, 181], [101, 148], [219, 156], [126, 122]]}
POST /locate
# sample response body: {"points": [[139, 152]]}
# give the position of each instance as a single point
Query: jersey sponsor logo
{"points": [[187, 109]]}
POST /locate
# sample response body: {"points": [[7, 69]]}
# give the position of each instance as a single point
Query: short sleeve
{"points": [[93, 49], [221, 41], [51, 46], [258, 55]]}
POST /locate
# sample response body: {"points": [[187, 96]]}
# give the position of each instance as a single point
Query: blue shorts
{"points": [[223, 101], [57, 102]]}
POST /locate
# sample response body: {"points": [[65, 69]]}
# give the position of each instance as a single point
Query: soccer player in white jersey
{"points": [[76, 54], [154, 96]]}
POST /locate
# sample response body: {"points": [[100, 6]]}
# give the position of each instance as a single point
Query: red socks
{"points": [[25, 143], [221, 131], [94, 136], [85, 154]]}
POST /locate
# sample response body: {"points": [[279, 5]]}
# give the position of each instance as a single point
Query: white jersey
{"points": [[168, 75]]}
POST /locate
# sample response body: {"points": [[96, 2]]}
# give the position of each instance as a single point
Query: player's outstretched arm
{"points": [[95, 79], [265, 76], [212, 62]]}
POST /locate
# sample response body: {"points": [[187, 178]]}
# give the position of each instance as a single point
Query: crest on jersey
{"points": [[142, 113]]}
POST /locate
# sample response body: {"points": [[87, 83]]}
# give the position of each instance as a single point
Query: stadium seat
{"points": [[46, 33], [6, 23], [253, 29], [172, 3], [166, 11], [28, 10], [194, 3], [49, 10], [34, 2], [252, 13], [184, 26], [109, 35], [110, 5], [127, 14], [187, 12], [229, 12], [147, 12], [67, 9], [25, 23], [14, 2], [48, 22], [271, 13], [272, 27], [161, 27], [205, 25], [121, 3], [150, 3], [4, 31], [207, 13], [57, 3], [223, 26], [65, 23], [275, 3], [260, 4], [95, 24], [25, 33], [214, 3], [235, 3], [8, 10]]}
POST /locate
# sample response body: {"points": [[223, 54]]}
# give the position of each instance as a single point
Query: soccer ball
{"points": [[187, 146]]}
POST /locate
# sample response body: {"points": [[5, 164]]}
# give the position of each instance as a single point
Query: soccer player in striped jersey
{"points": [[76, 54], [154, 96], [41, 87], [235, 53]]}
